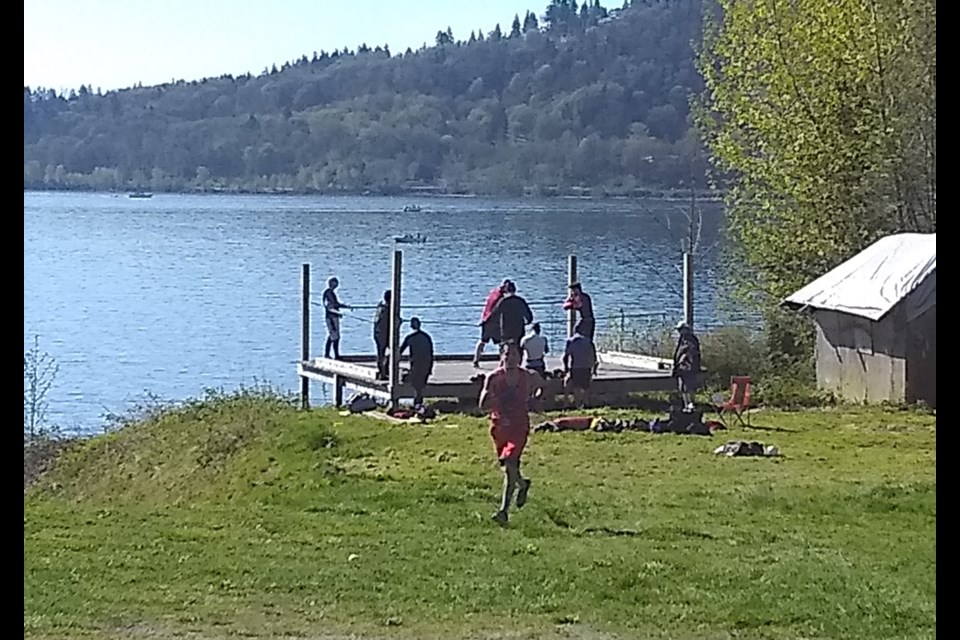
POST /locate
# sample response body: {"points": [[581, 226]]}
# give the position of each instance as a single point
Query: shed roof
{"points": [[877, 279]]}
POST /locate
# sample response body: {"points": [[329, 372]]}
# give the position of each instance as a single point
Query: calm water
{"points": [[179, 293]]}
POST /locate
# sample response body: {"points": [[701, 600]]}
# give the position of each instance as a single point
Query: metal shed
{"points": [[876, 318]]}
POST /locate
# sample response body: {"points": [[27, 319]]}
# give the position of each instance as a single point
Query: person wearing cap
{"points": [[332, 308], [535, 347], [420, 345], [686, 364], [512, 314], [489, 331]]}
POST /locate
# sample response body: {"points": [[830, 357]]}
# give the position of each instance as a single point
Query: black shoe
{"points": [[522, 493]]}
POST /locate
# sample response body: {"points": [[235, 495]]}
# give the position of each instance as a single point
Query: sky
{"points": [[112, 44]]}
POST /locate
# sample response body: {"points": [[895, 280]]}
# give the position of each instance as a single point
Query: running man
{"points": [[535, 347], [333, 308], [505, 395], [489, 331]]}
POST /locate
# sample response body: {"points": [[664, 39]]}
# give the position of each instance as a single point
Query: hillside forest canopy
{"points": [[580, 99]]}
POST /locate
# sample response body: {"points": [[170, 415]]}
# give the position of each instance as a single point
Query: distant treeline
{"points": [[581, 100]]}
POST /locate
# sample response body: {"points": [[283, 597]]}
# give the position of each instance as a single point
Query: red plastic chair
{"points": [[739, 402]]}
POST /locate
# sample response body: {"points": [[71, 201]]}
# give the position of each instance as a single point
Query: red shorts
{"points": [[509, 441]]}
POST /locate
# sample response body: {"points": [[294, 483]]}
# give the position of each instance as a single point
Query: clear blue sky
{"points": [[117, 43]]}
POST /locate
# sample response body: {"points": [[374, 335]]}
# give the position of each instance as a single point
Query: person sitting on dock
{"points": [[578, 365], [333, 308], [535, 347], [512, 315], [381, 334], [420, 345], [686, 364], [505, 395], [489, 331]]}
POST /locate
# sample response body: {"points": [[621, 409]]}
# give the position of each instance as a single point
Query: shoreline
{"points": [[669, 195]]}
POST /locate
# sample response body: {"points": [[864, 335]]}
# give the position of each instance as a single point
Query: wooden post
{"points": [[571, 279], [305, 335], [688, 288], [395, 322], [338, 384]]}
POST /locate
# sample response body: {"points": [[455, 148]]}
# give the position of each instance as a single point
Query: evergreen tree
{"points": [[496, 34], [530, 22], [515, 28]]}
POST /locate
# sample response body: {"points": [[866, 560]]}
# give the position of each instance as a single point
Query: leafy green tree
{"points": [[821, 117], [824, 117]]}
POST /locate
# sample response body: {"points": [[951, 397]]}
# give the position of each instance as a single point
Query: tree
{"points": [[496, 34], [443, 39], [515, 28], [822, 119], [530, 22]]}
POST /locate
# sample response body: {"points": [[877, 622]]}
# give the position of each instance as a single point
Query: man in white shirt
{"points": [[535, 348]]}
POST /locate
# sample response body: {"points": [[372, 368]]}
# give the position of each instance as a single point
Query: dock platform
{"points": [[455, 377]]}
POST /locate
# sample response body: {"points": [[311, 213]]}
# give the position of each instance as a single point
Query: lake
{"points": [[178, 293]]}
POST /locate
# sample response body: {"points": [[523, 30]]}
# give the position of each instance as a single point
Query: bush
{"points": [[782, 376]]}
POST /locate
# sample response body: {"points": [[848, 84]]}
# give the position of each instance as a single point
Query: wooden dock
{"points": [[454, 376]]}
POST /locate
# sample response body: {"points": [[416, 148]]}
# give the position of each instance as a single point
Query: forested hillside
{"points": [[575, 99]]}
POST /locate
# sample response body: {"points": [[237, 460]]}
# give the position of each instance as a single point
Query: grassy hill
{"points": [[238, 515]]}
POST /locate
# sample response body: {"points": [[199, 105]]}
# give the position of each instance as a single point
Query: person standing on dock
{"points": [[580, 301], [505, 395], [535, 347], [381, 334], [420, 345], [489, 331], [512, 314], [333, 307], [686, 364]]}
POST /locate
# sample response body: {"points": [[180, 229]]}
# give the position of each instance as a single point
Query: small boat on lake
{"points": [[142, 195], [410, 239], [412, 208]]}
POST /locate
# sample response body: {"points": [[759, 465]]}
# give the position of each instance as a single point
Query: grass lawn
{"points": [[238, 516]]}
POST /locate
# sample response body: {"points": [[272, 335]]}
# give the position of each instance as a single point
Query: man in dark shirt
{"points": [[381, 334], [578, 300], [579, 362], [332, 307], [421, 359], [512, 314]]}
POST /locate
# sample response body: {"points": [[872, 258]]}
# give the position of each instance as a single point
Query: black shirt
{"points": [[381, 322], [512, 314], [421, 350], [331, 303]]}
